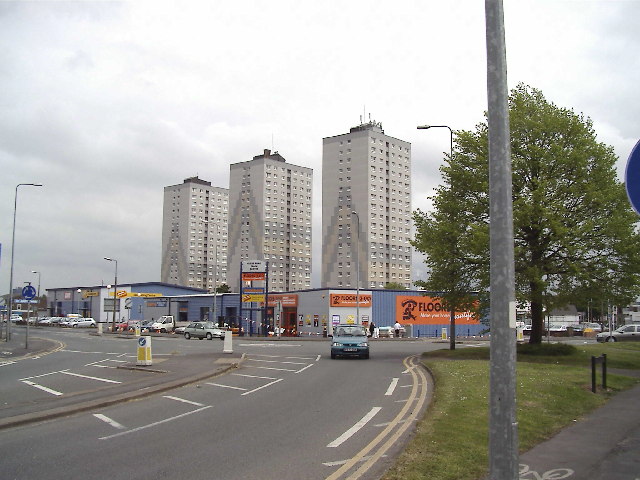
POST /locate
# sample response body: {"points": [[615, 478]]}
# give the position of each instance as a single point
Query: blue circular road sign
{"points": [[28, 292], [632, 178]]}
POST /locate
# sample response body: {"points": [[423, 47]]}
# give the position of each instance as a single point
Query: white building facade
{"points": [[194, 234], [367, 172], [270, 220]]}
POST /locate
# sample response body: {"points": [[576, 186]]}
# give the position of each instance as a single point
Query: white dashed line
{"points": [[178, 399], [43, 388], [111, 422], [392, 387]]}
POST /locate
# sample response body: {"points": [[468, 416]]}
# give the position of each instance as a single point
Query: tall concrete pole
{"points": [[503, 427]]}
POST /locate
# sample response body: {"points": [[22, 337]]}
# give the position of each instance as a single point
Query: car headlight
{"points": [[363, 344], [336, 344]]}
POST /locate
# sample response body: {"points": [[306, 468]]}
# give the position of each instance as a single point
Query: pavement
{"points": [[604, 445], [172, 372]]}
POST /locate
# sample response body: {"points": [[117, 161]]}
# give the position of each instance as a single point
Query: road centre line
{"points": [[178, 399], [106, 380], [392, 387], [144, 427], [108, 420], [43, 388], [263, 386], [353, 430], [4, 364]]}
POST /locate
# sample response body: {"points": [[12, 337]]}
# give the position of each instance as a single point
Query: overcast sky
{"points": [[106, 103]]}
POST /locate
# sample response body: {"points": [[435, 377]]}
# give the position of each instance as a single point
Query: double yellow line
{"points": [[376, 448]]}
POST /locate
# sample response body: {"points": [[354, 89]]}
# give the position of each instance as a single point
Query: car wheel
{"points": [[366, 356], [163, 330], [75, 326], [209, 336], [187, 335], [611, 339], [333, 356]]}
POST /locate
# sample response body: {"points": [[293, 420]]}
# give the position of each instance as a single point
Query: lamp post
{"points": [[79, 291], [115, 293], [452, 313], [13, 249], [357, 268], [215, 275]]}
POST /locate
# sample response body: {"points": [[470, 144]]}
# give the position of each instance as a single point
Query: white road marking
{"points": [[39, 376], [153, 424], [225, 386], [111, 422], [252, 376], [275, 361], [274, 368], [4, 364], [263, 386], [392, 387], [353, 430], [178, 399], [43, 388], [106, 380], [318, 358], [304, 368]]}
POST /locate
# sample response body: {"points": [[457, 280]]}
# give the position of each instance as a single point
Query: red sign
{"points": [[290, 300], [250, 276], [428, 311], [349, 300]]}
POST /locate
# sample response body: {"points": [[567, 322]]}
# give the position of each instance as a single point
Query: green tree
{"points": [[575, 232], [224, 288]]}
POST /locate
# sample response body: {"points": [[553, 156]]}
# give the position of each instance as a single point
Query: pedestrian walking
{"points": [[376, 332], [371, 329], [397, 328]]}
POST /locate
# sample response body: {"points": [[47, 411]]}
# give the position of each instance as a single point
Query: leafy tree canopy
{"points": [[394, 286], [575, 232]]}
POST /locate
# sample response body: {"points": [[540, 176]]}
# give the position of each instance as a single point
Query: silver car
{"points": [[625, 333], [202, 330]]}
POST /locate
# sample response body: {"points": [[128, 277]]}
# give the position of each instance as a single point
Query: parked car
{"points": [[389, 332], [202, 330], [82, 322], [350, 340], [596, 327], [622, 334]]}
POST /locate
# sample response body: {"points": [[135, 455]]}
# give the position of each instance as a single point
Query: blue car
{"points": [[349, 341]]}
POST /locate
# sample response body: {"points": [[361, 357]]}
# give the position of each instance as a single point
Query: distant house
{"points": [[568, 316]]}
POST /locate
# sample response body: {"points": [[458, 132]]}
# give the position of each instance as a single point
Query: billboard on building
{"points": [[417, 309], [349, 300]]}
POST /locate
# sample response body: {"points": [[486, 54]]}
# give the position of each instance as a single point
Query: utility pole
{"points": [[503, 427]]}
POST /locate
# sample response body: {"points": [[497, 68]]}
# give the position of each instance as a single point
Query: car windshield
{"points": [[350, 331]]}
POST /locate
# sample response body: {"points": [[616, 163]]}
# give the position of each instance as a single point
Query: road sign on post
{"points": [[29, 292]]}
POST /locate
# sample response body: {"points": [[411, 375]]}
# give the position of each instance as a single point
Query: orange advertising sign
{"points": [[250, 276], [421, 310], [290, 300], [349, 300]]}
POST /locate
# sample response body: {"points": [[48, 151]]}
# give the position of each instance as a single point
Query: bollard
{"points": [[595, 360], [99, 328], [228, 342], [144, 351]]}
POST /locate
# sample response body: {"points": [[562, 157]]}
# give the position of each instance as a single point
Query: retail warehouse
{"points": [[298, 313]]}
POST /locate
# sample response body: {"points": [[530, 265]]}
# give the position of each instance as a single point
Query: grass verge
{"points": [[553, 391]]}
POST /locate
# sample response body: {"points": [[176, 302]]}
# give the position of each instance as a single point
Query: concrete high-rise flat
{"points": [[194, 234], [367, 172], [270, 220]]}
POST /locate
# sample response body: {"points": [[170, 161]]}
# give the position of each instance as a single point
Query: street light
{"points": [[79, 291], [215, 271], [115, 293], [452, 313], [13, 249], [357, 268]]}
